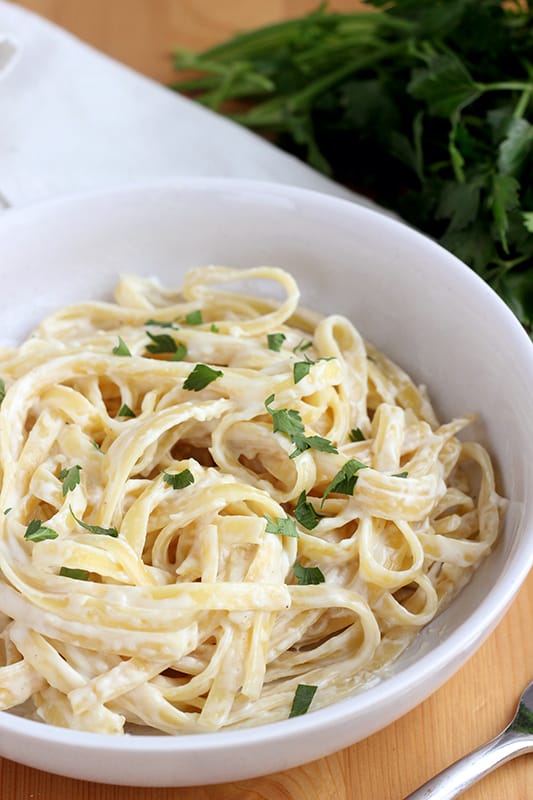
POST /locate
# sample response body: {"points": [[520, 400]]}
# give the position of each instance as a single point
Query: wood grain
{"points": [[474, 705]]}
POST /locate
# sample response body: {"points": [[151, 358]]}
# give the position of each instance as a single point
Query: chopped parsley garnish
{"points": [[275, 340], [306, 514], [162, 323], [125, 411], [356, 435], [161, 343], [401, 475], [200, 377], [303, 697], [95, 444], [95, 528], [214, 328], [194, 318], [345, 479], [300, 369], [121, 349], [179, 480], [302, 346], [2, 390], [7, 510], [312, 442], [307, 576], [283, 526], [180, 352], [70, 478], [285, 420], [290, 422], [36, 532], [77, 574]]}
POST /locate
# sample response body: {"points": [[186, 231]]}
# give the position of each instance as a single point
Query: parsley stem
{"points": [[273, 112]]}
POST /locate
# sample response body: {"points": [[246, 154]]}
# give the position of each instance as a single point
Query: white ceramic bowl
{"points": [[410, 297]]}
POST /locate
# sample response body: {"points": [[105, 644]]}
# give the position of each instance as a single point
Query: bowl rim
{"points": [[468, 635]]}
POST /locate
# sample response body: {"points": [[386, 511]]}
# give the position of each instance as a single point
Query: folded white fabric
{"points": [[72, 119]]}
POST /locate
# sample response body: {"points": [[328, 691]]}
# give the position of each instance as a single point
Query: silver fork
{"points": [[517, 738]]}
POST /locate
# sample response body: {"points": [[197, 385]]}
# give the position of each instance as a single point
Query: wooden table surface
{"points": [[480, 699]]}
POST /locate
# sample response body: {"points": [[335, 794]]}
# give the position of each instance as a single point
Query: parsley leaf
{"points": [[356, 435], [285, 420], [283, 526], [7, 510], [308, 576], [70, 478], [275, 340], [345, 479], [121, 349], [77, 574], [304, 443], [162, 343], [125, 411], [2, 390], [161, 324], [214, 328], [194, 318], [400, 475], [306, 514], [180, 353], [300, 369], [95, 528], [303, 697], [290, 422], [36, 532], [200, 377], [179, 480]]}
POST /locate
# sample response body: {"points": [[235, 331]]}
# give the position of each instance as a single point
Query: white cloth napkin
{"points": [[72, 119]]}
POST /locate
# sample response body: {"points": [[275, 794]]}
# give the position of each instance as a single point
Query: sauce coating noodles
{"points": [[210, 499]]}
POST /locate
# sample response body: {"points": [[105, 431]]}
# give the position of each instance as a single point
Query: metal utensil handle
{"points": [[459, 776]]}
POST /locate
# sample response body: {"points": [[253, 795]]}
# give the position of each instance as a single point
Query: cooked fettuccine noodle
{"points": [[210, 499]]}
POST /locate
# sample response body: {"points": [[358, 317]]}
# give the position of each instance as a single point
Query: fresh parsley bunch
{"points": [[425, 106]]}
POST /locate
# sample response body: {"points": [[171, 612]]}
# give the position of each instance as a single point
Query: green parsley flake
{"points": [[312, 442], [70, 478], [77, 574], [161, 324], [345, 479], [194, 318], [161, 343], [214, 328], [306, 514], [290, 422], [275, 340], [121, 348], [356, 435], [7, 510], [401, 475], [283, 526], [2, 390], [179, 480], [200, 377], [125, 411], [180, 352], [95, 528], [300, 369], [303, 697], [36, 532], [308, 576]]}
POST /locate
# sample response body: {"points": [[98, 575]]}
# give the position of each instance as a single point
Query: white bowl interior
{"points": [[412, 299]]}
